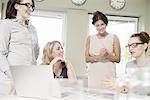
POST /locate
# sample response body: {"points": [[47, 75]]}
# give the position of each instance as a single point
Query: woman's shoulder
{"points": [[147, 64], [68, 61], [5, 25], [92, 36], [112, 35], [5, 21], [68, 64], [32, 26], [131, 64]]}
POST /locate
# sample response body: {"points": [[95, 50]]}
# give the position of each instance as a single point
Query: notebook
{"points": [[35, 81]]}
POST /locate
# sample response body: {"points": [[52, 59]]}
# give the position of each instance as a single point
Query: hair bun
{"points": [[99, 16], [145, 35]]}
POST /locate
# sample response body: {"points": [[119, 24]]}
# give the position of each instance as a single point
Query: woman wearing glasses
{"points": [[18, 38], [53, 55], [138, 46]]}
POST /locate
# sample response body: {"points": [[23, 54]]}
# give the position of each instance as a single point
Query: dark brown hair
{"points": [[99, 16], [143, 37], [11, 12]]}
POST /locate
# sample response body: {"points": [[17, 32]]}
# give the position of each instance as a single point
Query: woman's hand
{"points": [[124, 89], [56, 60], [12, 84], [103, 54], [13, 89]]}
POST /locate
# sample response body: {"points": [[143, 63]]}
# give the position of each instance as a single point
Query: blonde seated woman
{"points": [[53, 55]]}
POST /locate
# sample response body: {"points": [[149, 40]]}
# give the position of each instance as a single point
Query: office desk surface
{"points": [[25, 98], [74, 97]]}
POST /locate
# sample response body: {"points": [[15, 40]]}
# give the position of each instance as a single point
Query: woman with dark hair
{"points": [[138, 46], [18, 38], [53, 55], [102, 52]]}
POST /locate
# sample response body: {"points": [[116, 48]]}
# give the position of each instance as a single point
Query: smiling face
{"points": [[57, 50], [136, 47], [24, 9], [100, 26]]}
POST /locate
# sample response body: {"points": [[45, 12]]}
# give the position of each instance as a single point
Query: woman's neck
{"points": [[143, 59], [102, 34], [21, 20], [57, 69]]}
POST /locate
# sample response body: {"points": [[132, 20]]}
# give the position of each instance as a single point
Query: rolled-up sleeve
{"points": [[4, 45]]}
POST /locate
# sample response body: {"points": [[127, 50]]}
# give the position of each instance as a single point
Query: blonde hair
{"points": [[47, 52]]}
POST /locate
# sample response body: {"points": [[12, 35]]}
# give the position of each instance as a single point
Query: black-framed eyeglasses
{"points": [[27, 5], [133, 45]]}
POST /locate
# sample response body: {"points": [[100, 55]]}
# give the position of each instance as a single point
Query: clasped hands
{"points": [[103, 55]]}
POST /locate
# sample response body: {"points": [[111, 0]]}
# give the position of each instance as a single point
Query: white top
{"points": [[133, 64], [18, 44], [96, 44], [104, 68]]}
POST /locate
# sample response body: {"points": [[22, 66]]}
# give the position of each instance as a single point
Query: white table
{"points": [[72, 94], [81, 97], [84, 94]]}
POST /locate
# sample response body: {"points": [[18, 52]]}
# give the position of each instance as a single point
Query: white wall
{"points": [[77, 22], [0, 8], [148, 23], [148, 15], [76, 34]]}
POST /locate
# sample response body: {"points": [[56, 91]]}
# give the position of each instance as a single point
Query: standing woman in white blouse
{"points": [[18, 38]]}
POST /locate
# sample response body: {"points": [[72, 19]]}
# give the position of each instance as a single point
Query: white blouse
{"points": [[18, 44]]}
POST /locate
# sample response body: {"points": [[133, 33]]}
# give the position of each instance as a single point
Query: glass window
{"points": [[123, 27], [49, 26]]}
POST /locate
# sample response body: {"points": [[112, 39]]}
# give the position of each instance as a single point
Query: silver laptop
{"points": [[35, 81]]}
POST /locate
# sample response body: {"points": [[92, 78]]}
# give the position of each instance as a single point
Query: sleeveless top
{"points": [[98, 71], [63, 73], [96, 44]]}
